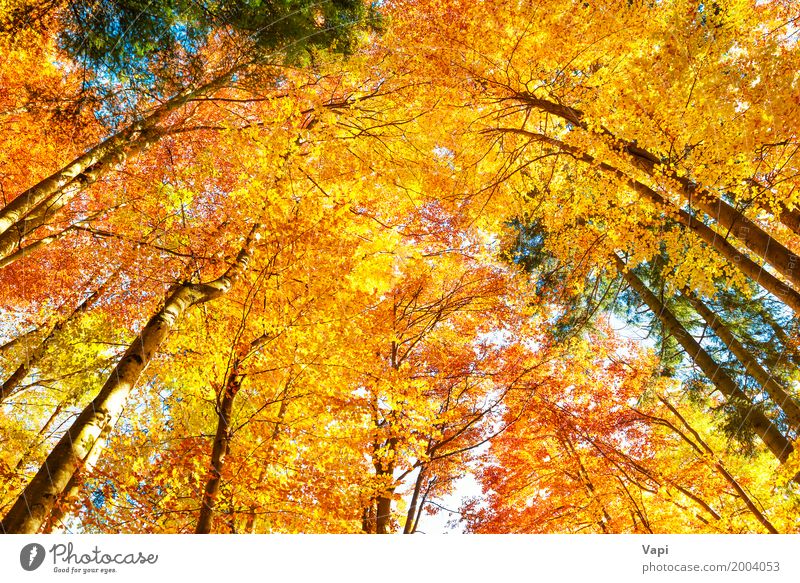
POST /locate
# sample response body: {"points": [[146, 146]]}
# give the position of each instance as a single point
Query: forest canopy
{"points": [[342, 266]]}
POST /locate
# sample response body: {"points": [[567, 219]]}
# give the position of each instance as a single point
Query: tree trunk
{"points": [[718, 242], [790, 218], [383, 509], [81, 446], [11, 239], [421, 506], [219, 451], [775, 441], [223, 437], [89, 166], [412, 507], [73, 487], [775, 391], [22, 252], [383, 501], [730, 219]]}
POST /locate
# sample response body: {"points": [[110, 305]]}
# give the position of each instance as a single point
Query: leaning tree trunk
{"points": [[82, 441], [752, 367], [718, 242], [86, 168], [70, 493], [222, 438], [790, 218], [775, 441], [11, 240], [421, 506], [751, 234]]}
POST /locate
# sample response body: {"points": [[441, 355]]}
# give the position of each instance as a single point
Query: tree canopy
{"points": [[289, 266]]}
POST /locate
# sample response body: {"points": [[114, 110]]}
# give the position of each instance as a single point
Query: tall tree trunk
{"points": [[790, 218], [421, 506], [222, 438], [81, 445], [383, 510], [710, 203], [775, 441], [71, 491], [22, 252], [220, 449], [90, 165], [752, 367], [718, 242], [11, 240]]}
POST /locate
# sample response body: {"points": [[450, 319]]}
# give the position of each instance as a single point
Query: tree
{"points": [[297, 267]]}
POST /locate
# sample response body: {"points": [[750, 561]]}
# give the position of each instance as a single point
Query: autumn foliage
{"points": [[529, 267]]}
